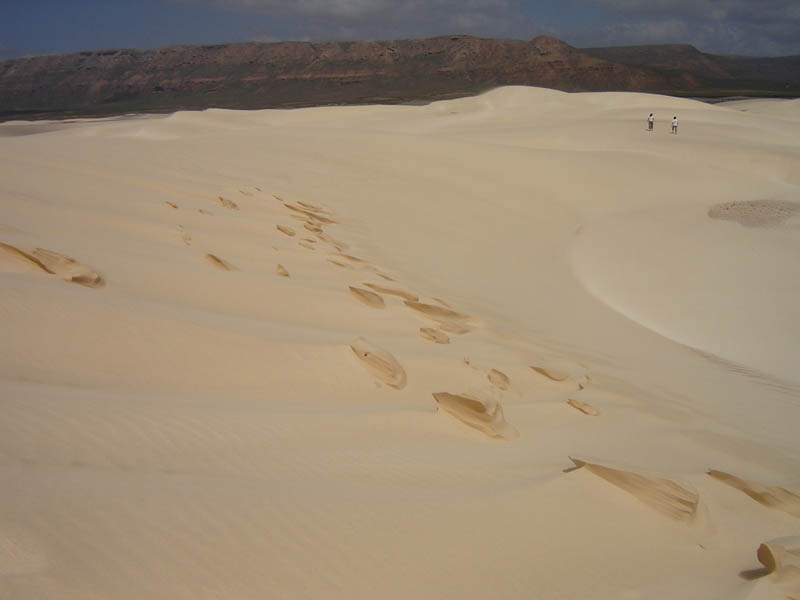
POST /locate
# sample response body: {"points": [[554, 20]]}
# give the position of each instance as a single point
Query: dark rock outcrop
{"points": [[257, 75]]}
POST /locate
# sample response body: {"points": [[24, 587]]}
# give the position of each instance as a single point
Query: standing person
{"points": [[675, 125], [650, 121]]}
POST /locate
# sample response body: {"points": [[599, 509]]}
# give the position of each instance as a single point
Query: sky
{"points": [[747, 27]]}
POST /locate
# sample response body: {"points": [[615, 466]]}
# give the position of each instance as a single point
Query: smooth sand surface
{"points": [[222, 334]]}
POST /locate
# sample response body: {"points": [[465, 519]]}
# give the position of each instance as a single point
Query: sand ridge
{"points": [[198, 432]]}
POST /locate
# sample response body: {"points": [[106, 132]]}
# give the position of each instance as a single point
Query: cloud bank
{"points": [[766, 27]]}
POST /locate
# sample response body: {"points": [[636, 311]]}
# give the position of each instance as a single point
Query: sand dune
{"points": [[192, 433], [484, 415]]}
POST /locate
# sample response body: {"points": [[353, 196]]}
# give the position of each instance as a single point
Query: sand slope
{"points": [[238, 401]]}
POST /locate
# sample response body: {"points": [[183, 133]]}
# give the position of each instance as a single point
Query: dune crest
{"points": [[434, 335], [366, 297], [483, 415], [54, 263], [379, 363], [768, 495], [664, 495]]}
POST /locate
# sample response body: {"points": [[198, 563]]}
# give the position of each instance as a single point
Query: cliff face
{"points": [[255, 75]]}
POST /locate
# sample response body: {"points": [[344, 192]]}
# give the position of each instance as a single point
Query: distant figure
{"points": [[675, 125], [650, 121]]}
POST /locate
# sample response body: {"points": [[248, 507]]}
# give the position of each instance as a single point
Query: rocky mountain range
{"points": [[293, 74]]}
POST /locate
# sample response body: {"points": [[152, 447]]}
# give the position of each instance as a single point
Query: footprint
{"points": [[172, 204], [287, 230], [52, 263], [312, 228], [313, 208], [305, 244], [350, 262], [185, 236], [782, 557], [661, 494], [433, 335], [281, 270], [245, 193], [448, 319], [366, 297], [584, 407], [225, 203], [553, 374], [386, 277], [393, 292], [219, 263], [379, 363], [437, 313], [499, 379], [203, 211], [483, 415], [312, 215], [339, 246], [768, 495]]}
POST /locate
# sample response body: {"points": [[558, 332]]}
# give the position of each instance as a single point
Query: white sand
{"points": [[199, 426]]}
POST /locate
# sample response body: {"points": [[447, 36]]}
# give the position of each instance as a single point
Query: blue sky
{"points": [[751, 27]]}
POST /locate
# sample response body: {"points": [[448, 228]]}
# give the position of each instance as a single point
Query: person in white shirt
{"points": [[650, 121], [675, 125]]}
